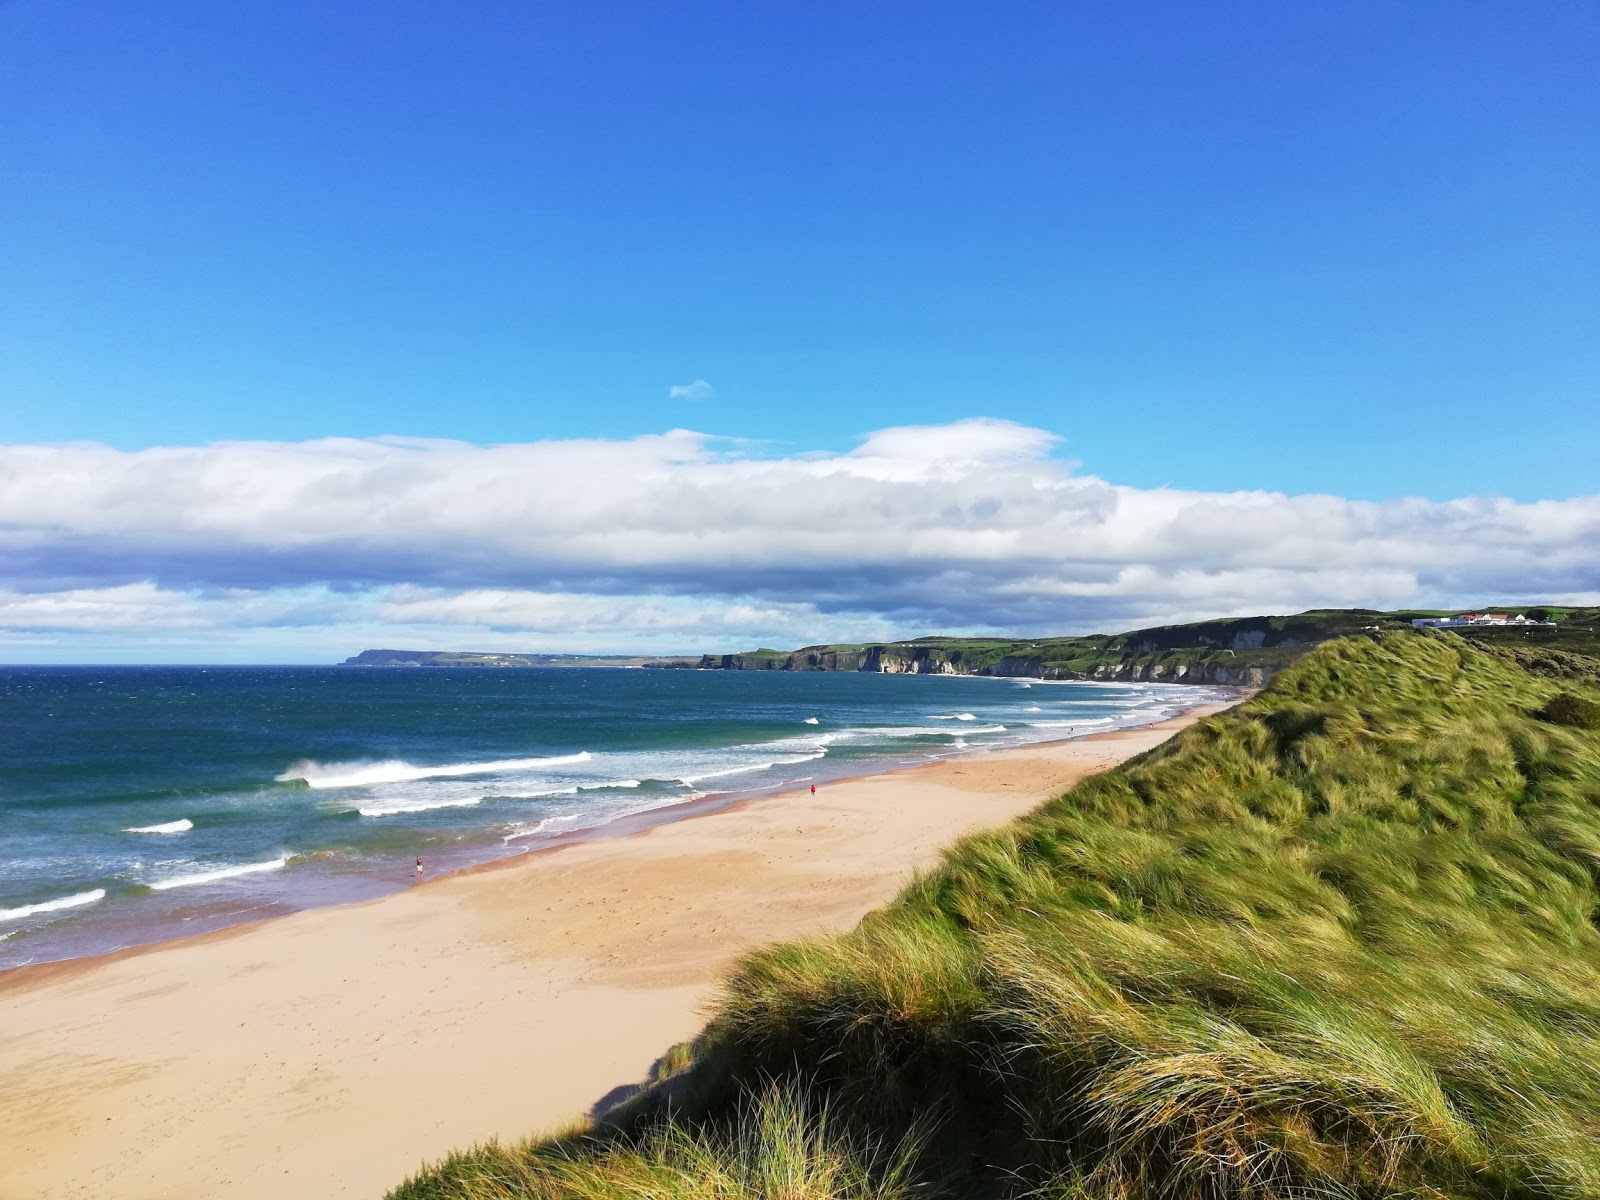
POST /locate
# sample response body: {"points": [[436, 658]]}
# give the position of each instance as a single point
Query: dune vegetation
{"points": [[1338, 941]]}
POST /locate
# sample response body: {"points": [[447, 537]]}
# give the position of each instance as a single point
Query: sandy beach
{"points": [[330, 1052]]}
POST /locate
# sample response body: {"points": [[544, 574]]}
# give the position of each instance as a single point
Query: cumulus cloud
{"points": [[686, 541], [698, 390]]}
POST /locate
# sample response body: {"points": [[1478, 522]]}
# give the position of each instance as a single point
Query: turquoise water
{"points": [[147, 802]]}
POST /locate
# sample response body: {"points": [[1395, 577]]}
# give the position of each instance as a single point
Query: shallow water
{"points": [[138, 803]]}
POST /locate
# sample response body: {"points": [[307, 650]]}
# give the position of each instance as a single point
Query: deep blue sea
{"points": [[141, 803]]}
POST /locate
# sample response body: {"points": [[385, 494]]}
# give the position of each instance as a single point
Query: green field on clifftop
{"points": [[1338, 941]]}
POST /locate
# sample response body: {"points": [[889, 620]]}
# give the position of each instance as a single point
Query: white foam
{"points": [[690, 780], [73, 901], [867, 733], [619, 783], [1071, 724], [401, 807], [549, 824], [812, 721], [1033, 708], [806, 743], [954, 717], [183, 825], [179, 881], [394, 770], [564, 822]]}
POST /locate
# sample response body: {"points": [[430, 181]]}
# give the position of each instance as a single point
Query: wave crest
{"points": [[395, 770], [178, 881], [44, 906], [182, 825], [399, 808]]}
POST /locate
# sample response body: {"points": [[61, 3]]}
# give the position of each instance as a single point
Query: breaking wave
{"points": [[399, 808], [182, 825], [178, 881], [74, 901], [394, 770], [746, 768]]}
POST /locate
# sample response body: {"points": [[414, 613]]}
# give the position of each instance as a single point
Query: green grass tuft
{"points": [[778, 1145]]}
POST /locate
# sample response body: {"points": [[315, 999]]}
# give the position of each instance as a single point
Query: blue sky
{"points": [[1350, 249]]}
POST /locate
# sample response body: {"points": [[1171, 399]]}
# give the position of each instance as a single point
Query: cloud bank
{"points": [[684, 541]]}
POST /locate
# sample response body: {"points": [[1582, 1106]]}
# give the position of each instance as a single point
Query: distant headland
{"points": [[485, 658], [1237, 651]]}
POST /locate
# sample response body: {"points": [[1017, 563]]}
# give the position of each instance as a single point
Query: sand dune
{"points": [[328, 1053]]}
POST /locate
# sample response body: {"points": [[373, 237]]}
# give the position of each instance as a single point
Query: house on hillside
{"points": [[1476, 620]]}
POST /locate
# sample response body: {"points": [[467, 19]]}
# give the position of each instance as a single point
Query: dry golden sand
{"points": [[328, 1053]]}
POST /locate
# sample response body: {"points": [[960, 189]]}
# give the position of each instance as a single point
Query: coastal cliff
{"points": [[896, 659]]}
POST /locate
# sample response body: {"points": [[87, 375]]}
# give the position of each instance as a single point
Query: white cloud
{"points": [[961, 444], [682, 541], [698, 390], [693, 620]]}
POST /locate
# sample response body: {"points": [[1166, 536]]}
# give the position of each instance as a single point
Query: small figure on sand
{"points": [[419, 866], [813, 789]]}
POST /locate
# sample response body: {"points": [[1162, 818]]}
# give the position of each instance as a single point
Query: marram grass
{"points": [[778, 1145], [1337, 942]]}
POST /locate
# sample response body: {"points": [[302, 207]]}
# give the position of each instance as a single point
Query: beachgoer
{"points": [[813, 789], [419, 866]]}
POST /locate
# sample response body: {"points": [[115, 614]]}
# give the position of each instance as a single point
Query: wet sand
{"points": [[330, 1052]]}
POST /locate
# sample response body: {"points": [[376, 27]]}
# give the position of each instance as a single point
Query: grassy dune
{"points": [[1339, 941]]}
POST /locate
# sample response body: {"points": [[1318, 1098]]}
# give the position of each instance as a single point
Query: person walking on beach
{"points": [[419, 866], [813, 789]]}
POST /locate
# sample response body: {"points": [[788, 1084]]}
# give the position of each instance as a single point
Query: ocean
{"points": [[143, 803]]}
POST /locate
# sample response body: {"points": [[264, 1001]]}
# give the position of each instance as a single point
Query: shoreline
{"points": [[329, 1051], [369, 886]]}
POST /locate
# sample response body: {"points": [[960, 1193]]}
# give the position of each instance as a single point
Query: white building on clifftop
{"points": [[1476, 620]]}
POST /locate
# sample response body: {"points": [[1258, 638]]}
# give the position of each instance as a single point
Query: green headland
{"points": [[1244, 651]]}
